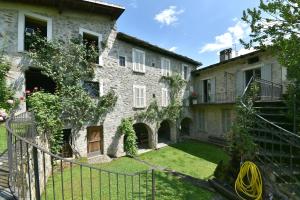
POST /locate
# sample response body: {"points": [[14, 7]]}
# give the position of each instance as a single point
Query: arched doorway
{"points": [[186, 126], [164, 132], [143, 134]]}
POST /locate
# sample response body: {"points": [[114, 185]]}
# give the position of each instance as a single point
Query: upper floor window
{"points": [[185, 72], [139, 96], [165, 100], [138, 60], [165, 67], [30, 24], [92, 40], [92, 88], [122, 61]]}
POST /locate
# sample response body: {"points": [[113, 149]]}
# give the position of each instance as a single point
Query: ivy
{"points": [[130, 144], [68, 64], [172, 111]]}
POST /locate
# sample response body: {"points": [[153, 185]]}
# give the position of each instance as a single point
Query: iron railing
{"points": [[218, 98], [36, 173], [278, 148], [269, 91]]}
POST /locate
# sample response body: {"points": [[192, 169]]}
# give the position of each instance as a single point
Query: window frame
{"points": [[21, 27], [165, 72], [125, 62], [99, 35], [134, 68], [188, 75], [165, 93], [226, 115], [139, 87]]}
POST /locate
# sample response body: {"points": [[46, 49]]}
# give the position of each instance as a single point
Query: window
{"points": [[207, 90], [165, 67], [92, 88], [165, 97], [226, 120], [122, 61], [139, 96], [138, 60], [92, 40], [30, 24], [201, 120], [252, 72], [185, 72]]}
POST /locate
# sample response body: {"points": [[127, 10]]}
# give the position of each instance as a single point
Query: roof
{"points": [[147, 45], [196, 72], [94, 6]]}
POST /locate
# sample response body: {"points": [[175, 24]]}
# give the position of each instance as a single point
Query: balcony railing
{"points": [[218, 98], [268, 91]]}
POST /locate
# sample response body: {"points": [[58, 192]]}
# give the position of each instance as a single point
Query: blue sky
{"points": [[196, 28]]}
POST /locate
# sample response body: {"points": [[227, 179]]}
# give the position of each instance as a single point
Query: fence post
{"points": [[153, 184], [10, 153], [36, 173], [294, 112]]}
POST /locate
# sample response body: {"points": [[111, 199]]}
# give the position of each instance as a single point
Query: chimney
{"points": [[226, 54]]}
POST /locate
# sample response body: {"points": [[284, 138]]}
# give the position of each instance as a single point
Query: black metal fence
{"points": [[217, 98], [269, 90], [36, 173]]}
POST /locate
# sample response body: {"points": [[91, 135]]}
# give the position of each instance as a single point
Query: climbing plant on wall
{"points": [[68, 64], [156, 114], [130, 144]]}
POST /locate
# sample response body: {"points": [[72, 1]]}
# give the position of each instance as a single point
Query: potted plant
{"points": [[194, 97]]}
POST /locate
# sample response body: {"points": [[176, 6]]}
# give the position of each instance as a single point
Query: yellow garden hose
{"points": [[249, 182]]}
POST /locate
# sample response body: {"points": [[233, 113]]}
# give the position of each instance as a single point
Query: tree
{"points": [[275, 27]]}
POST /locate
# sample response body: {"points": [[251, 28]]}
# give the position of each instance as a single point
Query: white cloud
{"points": [[173, 49], [168, 16], [232, 36], [133, 3]]}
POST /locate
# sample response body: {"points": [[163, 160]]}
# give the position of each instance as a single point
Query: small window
{"points": [[226, 120], [33, 27], [139, 96], [165, 100], [165, 67], [185, 72], [138, 60], [122, 61], [91, 41], [92, 88], [253, 60]]}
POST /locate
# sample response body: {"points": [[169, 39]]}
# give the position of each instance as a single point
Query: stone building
{"points": [[131, 67], [217, 87]]}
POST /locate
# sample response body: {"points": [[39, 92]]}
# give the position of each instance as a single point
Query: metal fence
{"points": [[218, 98], [36, 173], [269, 90]]}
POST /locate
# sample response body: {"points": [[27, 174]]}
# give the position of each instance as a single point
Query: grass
{"points": [[191, 157], [3, 138]]}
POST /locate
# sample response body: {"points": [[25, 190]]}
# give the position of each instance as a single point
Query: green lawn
{"points": [[191, 157], [3, 138], [167, 186]]}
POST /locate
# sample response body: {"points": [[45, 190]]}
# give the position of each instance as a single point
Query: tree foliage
{"points": [[275, 26], [130, 143], [68, 64]]}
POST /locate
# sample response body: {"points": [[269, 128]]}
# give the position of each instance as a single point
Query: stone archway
{"points": [[164, 132], [143, 133], [186, 126]]}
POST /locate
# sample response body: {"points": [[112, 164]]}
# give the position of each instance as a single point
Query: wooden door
{"points": [[94, 139]]}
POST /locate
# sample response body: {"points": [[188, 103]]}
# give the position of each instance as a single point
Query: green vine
{"points": [[130, 144], [67, 64], [173, 110]]}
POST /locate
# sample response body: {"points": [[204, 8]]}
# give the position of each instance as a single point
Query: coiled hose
{"points": [[249, 182]]}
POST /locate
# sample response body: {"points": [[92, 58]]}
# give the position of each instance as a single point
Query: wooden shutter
{"points": [[213, 89], [134, 60], [200, 90], [168, 62], [239, 83], [101, 88], [266, 72]]}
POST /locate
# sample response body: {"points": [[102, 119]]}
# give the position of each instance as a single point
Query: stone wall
{"points": [[66, 25]]}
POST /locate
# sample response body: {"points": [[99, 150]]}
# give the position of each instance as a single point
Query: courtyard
{"points": [[192, 158]]}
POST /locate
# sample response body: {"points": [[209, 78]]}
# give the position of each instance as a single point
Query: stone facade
{"points": [[227, 81], [65, 25]]}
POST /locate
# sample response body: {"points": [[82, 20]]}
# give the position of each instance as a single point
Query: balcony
{"points": [[218, 98]]}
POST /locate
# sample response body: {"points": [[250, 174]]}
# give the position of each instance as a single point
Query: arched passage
{"points": [[143, 133], [164, 131], [186, 126]]}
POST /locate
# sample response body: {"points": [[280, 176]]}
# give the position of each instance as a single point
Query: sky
{"points": [[199, 29]]}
